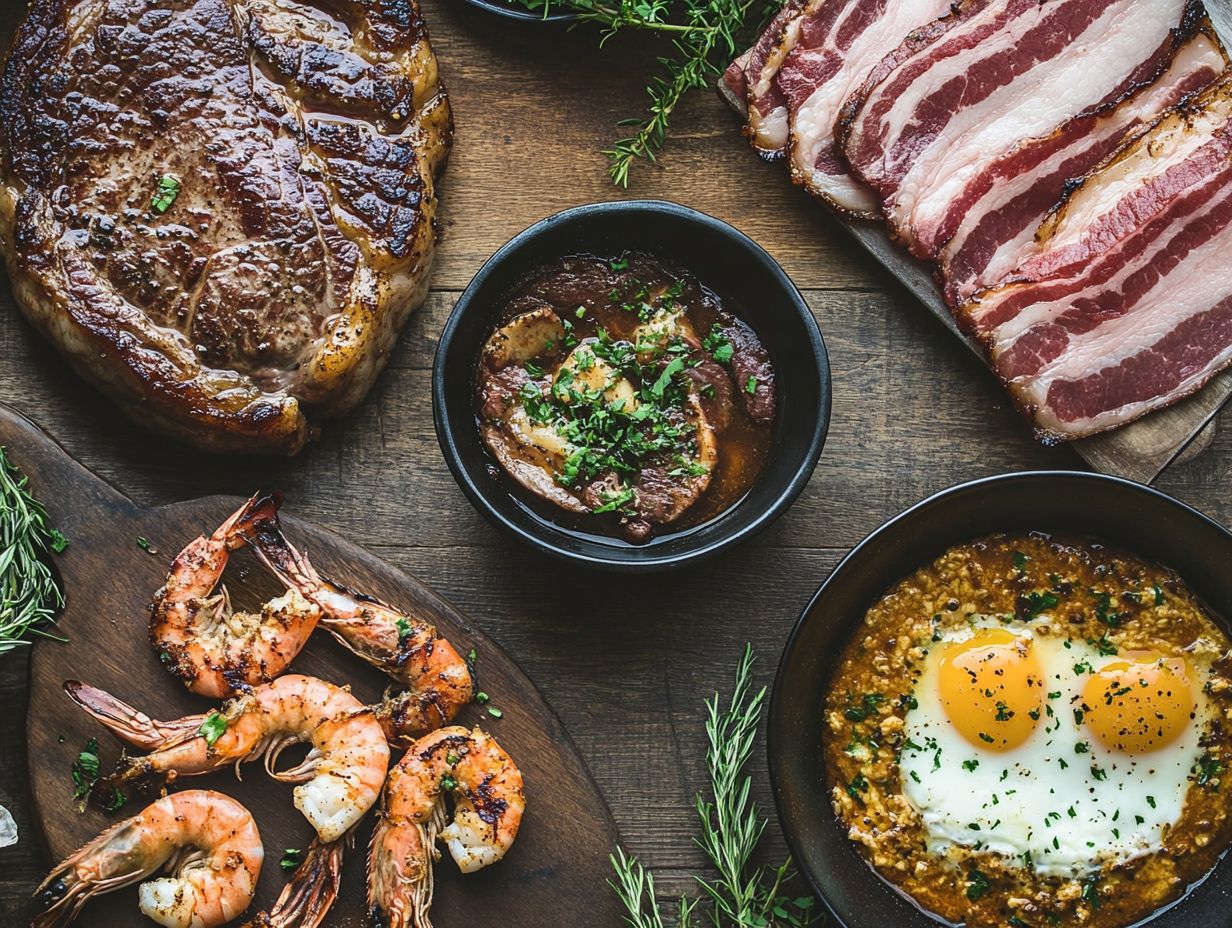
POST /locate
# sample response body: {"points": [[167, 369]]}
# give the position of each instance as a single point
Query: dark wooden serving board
{"points": [[558, 865], [1141, 450]]}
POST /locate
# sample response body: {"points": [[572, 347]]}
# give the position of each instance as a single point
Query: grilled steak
{"points": [[221, 211]]}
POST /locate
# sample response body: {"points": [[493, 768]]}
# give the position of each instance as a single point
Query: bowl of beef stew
{"points": [[631, 385]]}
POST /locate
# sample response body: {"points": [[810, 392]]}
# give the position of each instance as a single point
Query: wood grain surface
{"points": [[562, 849], [625, 665]]}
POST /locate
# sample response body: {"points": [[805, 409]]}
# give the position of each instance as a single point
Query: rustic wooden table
{"points": [[626, 665]]}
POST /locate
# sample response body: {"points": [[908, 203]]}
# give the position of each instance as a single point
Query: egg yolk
{"points": [[1139, 704], [992, 688]]}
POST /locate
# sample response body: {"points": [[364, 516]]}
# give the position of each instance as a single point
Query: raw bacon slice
{"points": [[835, 46], [1128, 308], [941, 110], [997, 232]]}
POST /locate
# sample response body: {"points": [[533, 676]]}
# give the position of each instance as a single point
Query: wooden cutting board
{"points": [[558, 866]]}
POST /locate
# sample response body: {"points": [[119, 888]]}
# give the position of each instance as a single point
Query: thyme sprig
{"points": [[705, 37], [29, 595], [742, 894]]}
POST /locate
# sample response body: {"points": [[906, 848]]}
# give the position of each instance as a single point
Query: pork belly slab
{"points": [[931, 124], [997, 232], [1128, 305]]}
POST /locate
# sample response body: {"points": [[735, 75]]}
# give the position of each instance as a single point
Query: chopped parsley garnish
{"points": [[1104, 611], [977, 885], [58, 541], [750, 385], [1150, 801], [1159, 595], [619, 264], [970, 764], [495, 712], [719, 345], [1208, 770], [1020, 561], [482, 698], [290, 858], [865, 708], [858, 784], [85, 770], [168, 189], [449, 783], [1098, 773], [1032, 604], [213, 728], [144, 544], [404, 629]]}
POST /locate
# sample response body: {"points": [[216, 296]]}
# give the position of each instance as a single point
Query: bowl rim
{"points": [[777, 710], [632, 559]]}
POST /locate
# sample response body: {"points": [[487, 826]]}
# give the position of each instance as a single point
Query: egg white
{"points": [[1048, 804]]}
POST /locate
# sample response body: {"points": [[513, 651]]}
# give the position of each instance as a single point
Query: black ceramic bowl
{"points": [[1118, 512], [727, 261]]}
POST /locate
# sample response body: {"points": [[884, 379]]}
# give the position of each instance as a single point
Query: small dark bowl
{"points": [[1124, 514], [510, 11], [727, 261]]}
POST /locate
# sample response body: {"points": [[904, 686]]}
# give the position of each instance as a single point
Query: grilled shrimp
{"points": [[311, 891], [437, 678], [486, 787], [338, 782], [216, 651], [208, 841]]}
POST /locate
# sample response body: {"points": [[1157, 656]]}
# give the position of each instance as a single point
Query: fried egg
{"points": [[1061, 755]]}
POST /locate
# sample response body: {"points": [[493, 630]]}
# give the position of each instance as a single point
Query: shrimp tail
{"points": [[308, 897], [285, 560], [129, 724], [253, 521]]}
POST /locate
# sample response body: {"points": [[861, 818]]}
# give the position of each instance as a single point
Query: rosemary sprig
{"points": [[743, 894], [29, 596], [705, 37]]}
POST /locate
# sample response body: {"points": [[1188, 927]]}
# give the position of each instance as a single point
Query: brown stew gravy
{"points": [[623, 398]]}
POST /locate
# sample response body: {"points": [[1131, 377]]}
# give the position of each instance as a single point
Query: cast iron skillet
{"points": [[1118, 512], [727, 261]]}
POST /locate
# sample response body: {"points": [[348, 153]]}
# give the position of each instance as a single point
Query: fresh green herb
{"points": [[449, 783], [168, 189], [495, 712], [719, 345], [1159, 595], [452, 758], [1090, 892], [705, 36], [85, 771], [1208, 770], [970, 765], [404, 629], [977, 885], [750, 385], [29, 594], [743, 894], [616, 264], [1104, 611], [213, 728], [290, 858], [1032, 604], [1020, 561], [482, 698], [1150, 801], [144, 544]]}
